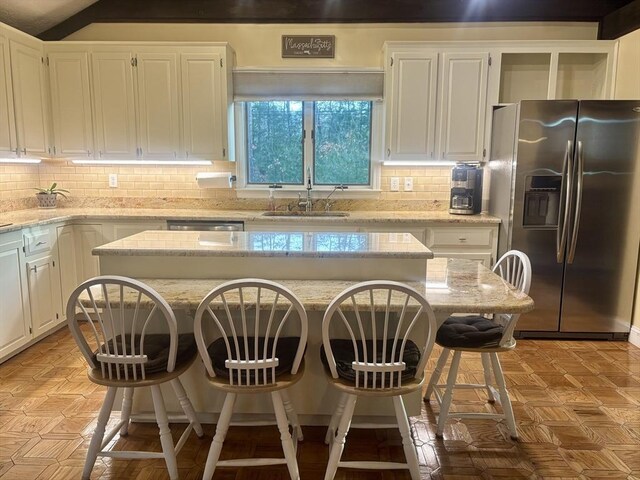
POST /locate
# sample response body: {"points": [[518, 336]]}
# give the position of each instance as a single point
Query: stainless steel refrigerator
{"points": [[565, 180]]}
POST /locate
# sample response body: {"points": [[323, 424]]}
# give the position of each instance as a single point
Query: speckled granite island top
{"points": [[268, 244], [451, 286]]}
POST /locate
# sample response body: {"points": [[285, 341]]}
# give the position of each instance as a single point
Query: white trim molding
{"points": [[634, 335]]}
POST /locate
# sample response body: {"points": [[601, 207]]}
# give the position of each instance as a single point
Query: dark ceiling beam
{"points": [[332, 11], [620, 22]]}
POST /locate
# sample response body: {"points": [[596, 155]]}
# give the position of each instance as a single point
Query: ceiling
{"points": [[55, 19], [36, 16]]}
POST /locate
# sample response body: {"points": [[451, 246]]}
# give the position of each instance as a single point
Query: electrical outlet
{"points": [[113, 180], [395, 184], [408, 184]]}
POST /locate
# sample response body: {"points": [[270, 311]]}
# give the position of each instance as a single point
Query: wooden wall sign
{"points": [[308, 46]]}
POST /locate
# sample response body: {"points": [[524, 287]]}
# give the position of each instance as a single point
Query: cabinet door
{"points": [[203, 112], [412, 106], [68, 266], [30, 100], [8, 143], [13, 295], [44, 297], [158, 97], [114, 105], [88, 237], [71, 104], [463, 88]]}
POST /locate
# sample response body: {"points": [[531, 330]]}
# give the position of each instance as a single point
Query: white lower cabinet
{"points": [[15, 330], [87, 238], [66, 242], [44, 294], [471, 242]]}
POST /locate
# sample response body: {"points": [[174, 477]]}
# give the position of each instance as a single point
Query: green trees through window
{"points": [[340, 149]]}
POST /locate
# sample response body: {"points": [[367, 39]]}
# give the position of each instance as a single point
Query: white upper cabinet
{"points": [[30, 98], [203, 106], [114, 105], [435, 104], [8, 141], [71, 104], [158, 105], [411, 105], [463, 101]]}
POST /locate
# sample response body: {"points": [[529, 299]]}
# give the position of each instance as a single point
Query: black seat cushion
{"points": [[156, 348], [286, 350], [344, 355], [472, 331]]}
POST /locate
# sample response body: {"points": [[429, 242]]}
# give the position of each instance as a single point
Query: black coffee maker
{"points": [[466, 189]]}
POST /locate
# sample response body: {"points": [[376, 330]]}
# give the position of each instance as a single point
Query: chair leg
{"points": [[125, 414], [338, 441], [437, 372], [486, 366], [96, 440], [166, 440], [448, 394], [505, 401], [218, 438], [335, 418], [407, 441], [292, 415], [186, 405], [285, 436]]}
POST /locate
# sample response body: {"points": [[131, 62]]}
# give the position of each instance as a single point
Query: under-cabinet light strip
{"points": [[20, 160], [142, 162]]}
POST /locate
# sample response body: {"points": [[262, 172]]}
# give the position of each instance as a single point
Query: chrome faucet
{"points": [[308, 203], [328, 203]]}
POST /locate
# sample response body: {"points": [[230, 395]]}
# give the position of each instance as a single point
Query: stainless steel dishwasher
{"points": [[205, 226]]}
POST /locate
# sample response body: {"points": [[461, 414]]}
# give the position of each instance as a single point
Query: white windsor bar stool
{"points": [[478, 334], [377, 359], [250, 355], [131, 340]]}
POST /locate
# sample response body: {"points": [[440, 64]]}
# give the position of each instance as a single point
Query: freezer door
{"points": [[602, 254], [546, 130]]}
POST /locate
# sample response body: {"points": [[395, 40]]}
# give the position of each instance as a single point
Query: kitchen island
{"points": [[184, 266]]}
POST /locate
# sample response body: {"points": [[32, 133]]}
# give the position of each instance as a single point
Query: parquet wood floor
{"points": [[577, 406]]}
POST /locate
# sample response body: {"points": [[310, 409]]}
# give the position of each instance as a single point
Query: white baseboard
{"points": [[634, 335]]}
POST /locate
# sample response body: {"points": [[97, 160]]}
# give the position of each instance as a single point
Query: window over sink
{"points": [[285, 142], [278, 134]]}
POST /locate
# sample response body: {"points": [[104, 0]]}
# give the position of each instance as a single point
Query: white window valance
{"points": [[253, 84]]}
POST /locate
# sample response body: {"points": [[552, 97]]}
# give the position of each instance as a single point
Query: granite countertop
{"points": [[452, 286], [268, 244], [32, 217]]}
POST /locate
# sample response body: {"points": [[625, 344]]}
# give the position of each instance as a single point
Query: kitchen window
{"points": [[285, 142]]}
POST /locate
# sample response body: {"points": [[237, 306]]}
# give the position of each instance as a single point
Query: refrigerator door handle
{"points": [[565, 201], [576, 218]]}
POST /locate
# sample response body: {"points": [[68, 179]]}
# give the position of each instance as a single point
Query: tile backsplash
{"points": [[157, 186]]}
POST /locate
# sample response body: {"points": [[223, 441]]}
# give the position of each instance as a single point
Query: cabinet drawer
{"points": [[459, 237], [37, 242]]}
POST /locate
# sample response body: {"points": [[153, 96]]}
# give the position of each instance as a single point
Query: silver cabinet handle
{"points": [[565, 196], [578, 207], [462, 239]]}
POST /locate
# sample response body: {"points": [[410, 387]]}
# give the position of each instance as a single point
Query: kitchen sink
{"points": [[305, 214]]}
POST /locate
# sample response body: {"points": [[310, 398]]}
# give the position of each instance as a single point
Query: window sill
{"points": [[316, 193]]}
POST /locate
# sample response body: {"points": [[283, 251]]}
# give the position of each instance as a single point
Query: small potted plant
{"points": [[48, 197]]}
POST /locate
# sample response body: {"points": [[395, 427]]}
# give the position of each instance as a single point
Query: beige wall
{"points": [[356, 44]]}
